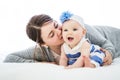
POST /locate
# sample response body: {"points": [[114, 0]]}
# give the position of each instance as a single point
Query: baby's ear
{"points": [[84, 31]]}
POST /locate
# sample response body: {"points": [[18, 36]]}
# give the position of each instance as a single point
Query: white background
{"points": [[14, 15]]}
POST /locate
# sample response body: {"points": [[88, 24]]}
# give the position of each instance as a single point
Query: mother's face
{"points": [[51, 34]]}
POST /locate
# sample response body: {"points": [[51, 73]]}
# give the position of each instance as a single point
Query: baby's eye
{"points": [[65, 30], [74, 29]]}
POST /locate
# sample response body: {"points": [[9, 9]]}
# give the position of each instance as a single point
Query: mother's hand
{"points": [[108, 57]]}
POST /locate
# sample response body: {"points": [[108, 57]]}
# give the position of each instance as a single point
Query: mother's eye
{"points": [[51, 35]]}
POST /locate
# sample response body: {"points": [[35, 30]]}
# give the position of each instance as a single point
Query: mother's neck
{"points": [[56, 49]]}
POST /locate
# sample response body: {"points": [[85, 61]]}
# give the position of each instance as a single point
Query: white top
{"points": [[74, 50]]}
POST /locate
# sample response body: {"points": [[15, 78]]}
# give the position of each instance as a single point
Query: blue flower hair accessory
{"points": [[65, 16]]}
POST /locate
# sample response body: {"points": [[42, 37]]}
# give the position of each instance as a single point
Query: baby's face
{"points": [[72, 32]]}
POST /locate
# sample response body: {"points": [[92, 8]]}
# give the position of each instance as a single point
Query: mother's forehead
{"points": [[47, 28], [50, 24], [47, 23]]}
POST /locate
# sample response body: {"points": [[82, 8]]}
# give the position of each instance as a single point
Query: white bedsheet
{"points": [[44, 71]]}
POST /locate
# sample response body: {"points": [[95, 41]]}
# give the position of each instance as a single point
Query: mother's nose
{"points": [[60, 28]]}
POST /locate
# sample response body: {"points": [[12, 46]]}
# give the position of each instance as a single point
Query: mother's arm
{"points": [[26, 55], [95, 37], [30, 55]]}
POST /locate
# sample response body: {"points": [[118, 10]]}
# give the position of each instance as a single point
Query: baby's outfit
{"points": [[96, 55]]}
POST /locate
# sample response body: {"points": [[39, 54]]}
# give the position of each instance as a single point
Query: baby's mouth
{"points": [[70, 39]]}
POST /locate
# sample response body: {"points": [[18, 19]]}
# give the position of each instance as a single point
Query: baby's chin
{"points": [[71, 44]]}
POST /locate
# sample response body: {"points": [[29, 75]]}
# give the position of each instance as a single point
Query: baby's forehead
{"points": [[71, 25], [71, 22]]}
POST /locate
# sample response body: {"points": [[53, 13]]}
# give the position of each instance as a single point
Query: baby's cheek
{"points": [[78, 36]]}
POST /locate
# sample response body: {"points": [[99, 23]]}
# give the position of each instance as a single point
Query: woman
{"points": [[47, 34]]}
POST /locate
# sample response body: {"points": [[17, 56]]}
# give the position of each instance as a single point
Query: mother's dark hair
{"points": [[33, 27]]}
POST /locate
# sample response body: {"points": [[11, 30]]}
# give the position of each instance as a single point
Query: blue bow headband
{"points": [[67, 16]]}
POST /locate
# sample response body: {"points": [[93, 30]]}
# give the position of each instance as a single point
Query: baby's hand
{"points": [[77, 64], [69, 67], [87, 62], [72, 66]]}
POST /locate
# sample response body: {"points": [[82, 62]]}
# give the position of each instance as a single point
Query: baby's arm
{"points": [[63, 58], [85, 49], [77, 64], [85, 55]]}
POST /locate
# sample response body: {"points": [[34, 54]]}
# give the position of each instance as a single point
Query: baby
{"points": [[74, 32]]}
